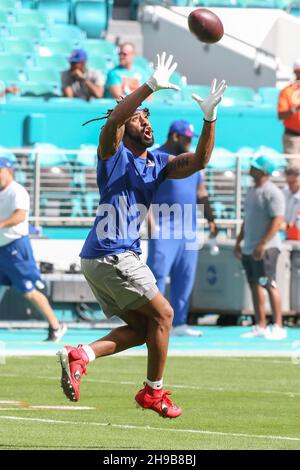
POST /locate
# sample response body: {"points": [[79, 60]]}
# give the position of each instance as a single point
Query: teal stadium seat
{"points": [[9, 76], [3, 16], [31, 16], [222, 160], [15, 46], [278, 160], [269, 95], [7, 4], [246, 154], [88, 156], [66, 31], [58, 46], [189, 90], [238, 94], [56, 62], [221, 3], [261, 3], [167, 95], [46, 89], [101, 47], [143, 63], [91, 16], [41, 75], [99, 63], [49, 155], [58, 11], [26, 31], [12, 60]]}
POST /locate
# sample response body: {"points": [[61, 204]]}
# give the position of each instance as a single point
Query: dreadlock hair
{"points": [[108, 113]]}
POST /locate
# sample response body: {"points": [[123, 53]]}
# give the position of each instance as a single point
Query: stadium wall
{"points": [[60, 122]]}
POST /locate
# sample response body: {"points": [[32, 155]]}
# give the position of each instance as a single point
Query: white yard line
{"points": [[153, 428]]}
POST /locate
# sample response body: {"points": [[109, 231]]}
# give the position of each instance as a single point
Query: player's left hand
{"points": [[210, 104], [162, 73], [259, 251]]}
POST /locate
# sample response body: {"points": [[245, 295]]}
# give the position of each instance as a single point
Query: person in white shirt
{"points": [[292, 194], [17, 264]]}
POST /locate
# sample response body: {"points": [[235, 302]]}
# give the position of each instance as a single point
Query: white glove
{"points": [[162, 73], [210, 104]]}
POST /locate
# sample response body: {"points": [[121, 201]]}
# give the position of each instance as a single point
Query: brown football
{"points": [[205, 25]]}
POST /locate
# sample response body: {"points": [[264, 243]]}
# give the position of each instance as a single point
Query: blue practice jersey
{"points": [[127, 185], [182, 192]]}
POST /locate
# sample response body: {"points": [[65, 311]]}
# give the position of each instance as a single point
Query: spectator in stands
{"points": [[292, 194], [17, 264], [289, 113], [13, 89], [173, 256], [79, 81], [126, 77], [264, 215]]}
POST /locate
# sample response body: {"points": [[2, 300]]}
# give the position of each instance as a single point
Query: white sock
{"points": [[89, 352], [156, 385]]}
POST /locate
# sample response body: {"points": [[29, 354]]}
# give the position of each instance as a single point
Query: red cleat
{"points": [[73, 363], [158, 401]]}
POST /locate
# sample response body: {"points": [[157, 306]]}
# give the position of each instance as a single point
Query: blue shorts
{"points": [[18, 267]]}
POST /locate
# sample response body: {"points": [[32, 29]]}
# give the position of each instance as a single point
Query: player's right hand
{"points": [[162, 73]]}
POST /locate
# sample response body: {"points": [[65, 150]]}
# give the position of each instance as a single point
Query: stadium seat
{"points": [[246, 154], [222, 3], [222, 160], [58, 46], [30, 16], [9, 76], [15, 46], [88, 156], [57, 62], [99, 63], [66, 31], [58, 11], [261, 3], [48, 155], [25, 31], [269, 95], [40, 89], [100, 47], [143, 63], [12, 60], [3, 16], [167, 94], [7, 4], [189, 90], [91, 17], [41, 75], [238, 94]]}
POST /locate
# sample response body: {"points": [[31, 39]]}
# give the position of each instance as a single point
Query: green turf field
{"points": [[228, 403]]}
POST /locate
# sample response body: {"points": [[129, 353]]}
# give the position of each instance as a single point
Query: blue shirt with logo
{"points": [[127, 185], [182, 192]]}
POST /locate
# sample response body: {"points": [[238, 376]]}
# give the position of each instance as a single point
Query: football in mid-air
{"points": [[205, 25]]}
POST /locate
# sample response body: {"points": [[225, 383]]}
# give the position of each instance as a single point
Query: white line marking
{"points": [[152, 428], [9, 402]]}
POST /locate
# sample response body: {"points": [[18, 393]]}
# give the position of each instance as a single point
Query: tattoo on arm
{"points": [[178, 163]]}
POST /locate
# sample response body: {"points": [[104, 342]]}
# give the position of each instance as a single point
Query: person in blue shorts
{"points": [[17, 264], [172, 256], [128, 175]]}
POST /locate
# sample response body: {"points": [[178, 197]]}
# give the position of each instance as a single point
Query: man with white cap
{"points": [[289, 113], [264, 215], [17, 264]]}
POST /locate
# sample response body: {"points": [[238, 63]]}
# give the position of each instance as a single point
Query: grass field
{"points": [[228, 403]]}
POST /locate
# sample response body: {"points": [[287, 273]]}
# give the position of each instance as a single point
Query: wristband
{"points": [[206, 120]]}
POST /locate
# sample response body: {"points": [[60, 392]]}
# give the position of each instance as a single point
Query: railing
{"points": [[63, 188]]}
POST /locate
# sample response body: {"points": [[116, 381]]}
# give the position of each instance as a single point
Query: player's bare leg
{"points": [[41, 302]]}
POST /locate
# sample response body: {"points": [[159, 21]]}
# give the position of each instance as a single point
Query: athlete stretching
{"points": [[128, 176]]}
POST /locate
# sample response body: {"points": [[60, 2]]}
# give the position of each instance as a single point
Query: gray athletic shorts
{"points": [[119, 282]]}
